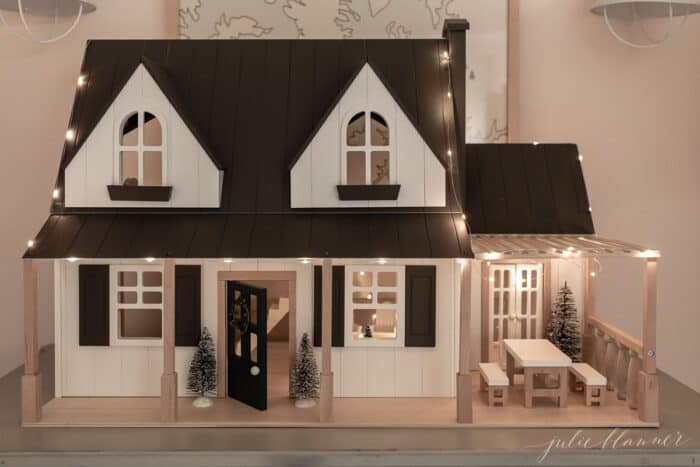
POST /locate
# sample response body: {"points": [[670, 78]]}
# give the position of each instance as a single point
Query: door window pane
{"points": [[497, 278], [356, 130], [253, 309], [380, 168], [152, 279], [356, 168], [387, 279]]}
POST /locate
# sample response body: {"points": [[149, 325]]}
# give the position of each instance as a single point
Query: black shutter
{"points": [[338, 307], [93, 304], [188, 295], [420, 306]]}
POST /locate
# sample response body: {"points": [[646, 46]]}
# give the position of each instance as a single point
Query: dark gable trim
{"points": [[420, 305], [338, 306], [93, 305]]}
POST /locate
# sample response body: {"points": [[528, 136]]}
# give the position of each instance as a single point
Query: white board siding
{"points": [[358, 372], [413, 165], [196, 181]]}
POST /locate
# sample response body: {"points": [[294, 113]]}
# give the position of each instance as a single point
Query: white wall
{"points": [[135, 371], [315, 176], [195, 180], [37, 83], [635, 115]]}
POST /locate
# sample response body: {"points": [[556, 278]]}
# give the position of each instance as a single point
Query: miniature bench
{"points": [[593, 382], [494, 379]]}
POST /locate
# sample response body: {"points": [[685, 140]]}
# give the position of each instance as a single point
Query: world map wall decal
{"points": [[487, 40]]}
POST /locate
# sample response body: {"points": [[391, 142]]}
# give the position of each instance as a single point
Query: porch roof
{"points": [[493, 247]]}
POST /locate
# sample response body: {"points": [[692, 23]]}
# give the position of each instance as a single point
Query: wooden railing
{"points": [[617, 355]]}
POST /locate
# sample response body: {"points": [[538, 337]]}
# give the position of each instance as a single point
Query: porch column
{"points": [[587, 350], [326, 402], [31, 380], [648, 379], [464, 382], [168, 381]]}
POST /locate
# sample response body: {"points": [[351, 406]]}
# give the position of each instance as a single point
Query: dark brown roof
{"points": [[315, 235], [525, 189], [254, 104]]}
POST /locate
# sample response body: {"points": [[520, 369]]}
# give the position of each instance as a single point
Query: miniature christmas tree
{"points": [[563, 328], [202, 375], [305, 378], [367, 331]]}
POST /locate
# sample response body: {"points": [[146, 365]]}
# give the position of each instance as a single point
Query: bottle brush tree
{"points": [[202, 374], [305, 377], [563, 329]]}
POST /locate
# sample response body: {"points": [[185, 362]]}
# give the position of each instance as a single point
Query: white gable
{"points": [[195, 180], [316, 174]]}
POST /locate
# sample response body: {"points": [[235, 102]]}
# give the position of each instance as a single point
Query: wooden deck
{"points": [[348, 413]]}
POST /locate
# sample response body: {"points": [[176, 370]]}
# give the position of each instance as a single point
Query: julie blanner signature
{"points": [[615, 439]]}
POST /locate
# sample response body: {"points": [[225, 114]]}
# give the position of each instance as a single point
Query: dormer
{"points": [[367, 153], [143, 153]]}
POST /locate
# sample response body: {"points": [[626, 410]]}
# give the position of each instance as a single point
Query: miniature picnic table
{"points": [[538, 356]]}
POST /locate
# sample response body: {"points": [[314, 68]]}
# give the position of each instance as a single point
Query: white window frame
{"points": [[140, 148], [368, 147], [115, 306], [350, 340]]}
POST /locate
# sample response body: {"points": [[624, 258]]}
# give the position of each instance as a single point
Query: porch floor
{"points": [[348, 412]]}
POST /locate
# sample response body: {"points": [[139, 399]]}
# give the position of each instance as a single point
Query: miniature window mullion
{"points": [[141, 121]]}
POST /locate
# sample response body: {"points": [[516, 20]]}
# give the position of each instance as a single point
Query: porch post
{"points": [[588, 310], [326, 402], [168, 381], [31, 380], [648, 379], [464, 382]]}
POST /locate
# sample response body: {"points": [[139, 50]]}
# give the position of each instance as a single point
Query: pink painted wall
{"points": [[636, 117], [37, 83]]}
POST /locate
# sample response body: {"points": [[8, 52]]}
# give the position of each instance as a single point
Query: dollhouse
{"points": [[326, 185]]}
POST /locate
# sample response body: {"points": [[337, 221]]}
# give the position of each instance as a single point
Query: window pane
{"points": [[140, 323], [253, 309], [129, 166], [152, 168], [152, 298], [126, 297], [386, 279], [126, 279], [379, 130], [374, 324], [152, 279], [152, 131], [362, 279], [386, 298], [356, 130], [130, 130], [356, 168], [380, 168], [362, 297]]}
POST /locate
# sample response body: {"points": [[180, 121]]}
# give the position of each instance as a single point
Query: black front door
{"points": [[246, 313]]}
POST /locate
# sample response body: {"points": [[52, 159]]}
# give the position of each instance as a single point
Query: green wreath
{"points": [[240, 314]]}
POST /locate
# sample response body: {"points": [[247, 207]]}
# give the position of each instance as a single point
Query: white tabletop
{"points": [[536, 352]]}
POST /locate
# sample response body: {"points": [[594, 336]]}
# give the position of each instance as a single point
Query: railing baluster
{"points": [[632, 379], [601, 347], [621, 372], [610, 361]]}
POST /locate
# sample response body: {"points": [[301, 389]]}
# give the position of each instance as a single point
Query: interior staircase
{"points": [[275, 313]]}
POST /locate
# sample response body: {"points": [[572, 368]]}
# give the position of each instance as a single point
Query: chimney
{"points": [[455, 31]]}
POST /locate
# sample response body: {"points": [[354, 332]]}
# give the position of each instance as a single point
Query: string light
{"points": [[82, 80], [56, 193], [445, 55], [449, 152], [381, 261], [30, 243], [228, 261], [580, 157], [70, 134], [449, 95], [464, 217], [305, 260], [535, 143], [150, 259], [72, 259]]}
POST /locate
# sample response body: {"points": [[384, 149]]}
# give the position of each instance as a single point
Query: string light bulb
{"points": [[445, 55], [535, 143], [150, 259], [449, 95], [56, 193], [30, 243], [305, 260], [580, 157], [449, 152], [228, 261], [381, 261], [464, 217], [72, 259], [70, 134], [82, 80]]}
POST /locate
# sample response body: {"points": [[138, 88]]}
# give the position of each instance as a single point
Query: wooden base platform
{"points": [[348, 413]]}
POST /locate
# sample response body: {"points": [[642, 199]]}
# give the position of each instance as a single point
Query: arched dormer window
{"points": [[366, 150], [141, 150]]}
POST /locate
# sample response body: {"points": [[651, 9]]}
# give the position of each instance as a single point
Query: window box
{"points": [[368, 192], [139, 193]]}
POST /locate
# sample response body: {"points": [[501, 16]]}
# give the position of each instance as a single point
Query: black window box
{"points": [[368, 192], [139, 193]]}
